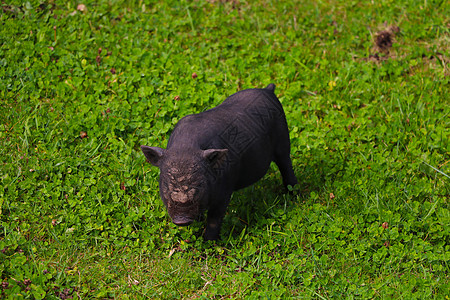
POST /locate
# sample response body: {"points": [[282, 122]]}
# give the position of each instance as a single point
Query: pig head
{"points": [[211, 154], [184, 181]]}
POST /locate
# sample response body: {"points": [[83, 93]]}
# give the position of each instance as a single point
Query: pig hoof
{"points": [[210, 238], [211, 235]]}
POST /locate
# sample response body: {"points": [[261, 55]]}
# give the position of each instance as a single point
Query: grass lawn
{"points": [[366, 91]]}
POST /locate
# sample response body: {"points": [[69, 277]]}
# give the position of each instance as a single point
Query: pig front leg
{"points": [[214, 218]]}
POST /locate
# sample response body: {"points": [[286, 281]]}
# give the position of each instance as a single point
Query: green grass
{"points": [[80, 214]]}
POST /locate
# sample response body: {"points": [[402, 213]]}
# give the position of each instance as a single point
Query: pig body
{"points": [[211, 154]]}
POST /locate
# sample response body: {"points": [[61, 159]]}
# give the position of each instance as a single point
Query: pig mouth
{"points": [[182, 214], [182, 220]]}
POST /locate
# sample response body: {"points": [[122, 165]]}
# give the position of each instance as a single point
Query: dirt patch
{"points": [[385, 39], [383, 42], [375, 57]]}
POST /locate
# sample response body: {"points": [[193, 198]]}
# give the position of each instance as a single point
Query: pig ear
{"points": [[215, 157], [153, 154]]}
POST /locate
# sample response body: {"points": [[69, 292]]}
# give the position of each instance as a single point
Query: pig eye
{"points": [[192, 193]]}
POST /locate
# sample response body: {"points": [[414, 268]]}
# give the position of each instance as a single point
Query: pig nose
{"points": [[182, 221]]}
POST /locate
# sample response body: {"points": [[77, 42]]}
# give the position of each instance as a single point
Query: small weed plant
{"points": [[365, 87]]}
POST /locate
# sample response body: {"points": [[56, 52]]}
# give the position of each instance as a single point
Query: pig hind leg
{"points": [[282, 157], [285, 165]]}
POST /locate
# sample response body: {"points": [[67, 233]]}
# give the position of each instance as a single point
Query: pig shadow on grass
{"points": [[267, 200], [254, 206]]}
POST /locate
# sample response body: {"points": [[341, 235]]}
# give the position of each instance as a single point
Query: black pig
{"points": [[211, 154]]}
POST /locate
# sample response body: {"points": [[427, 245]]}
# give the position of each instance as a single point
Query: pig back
{"points": [[247, 123]]}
